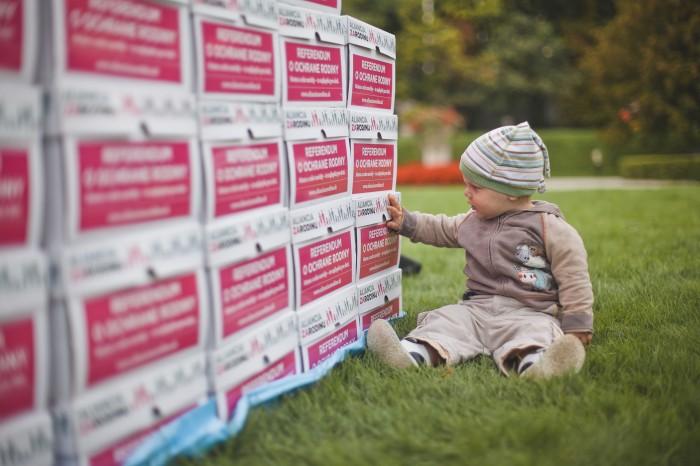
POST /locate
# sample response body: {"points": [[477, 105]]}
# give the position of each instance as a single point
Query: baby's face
{"points": [[485, 202]]}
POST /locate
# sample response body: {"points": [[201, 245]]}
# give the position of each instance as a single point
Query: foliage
{"points": [[674, 167], [635, 402]]}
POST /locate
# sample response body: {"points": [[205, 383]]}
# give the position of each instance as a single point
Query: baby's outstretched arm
{"points": [[396, 213]]}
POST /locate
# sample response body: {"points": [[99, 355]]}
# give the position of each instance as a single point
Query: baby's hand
{"points": [[585, 337], [396, 213]]}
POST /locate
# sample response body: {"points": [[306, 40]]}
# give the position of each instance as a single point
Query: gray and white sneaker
{"points": [[565, 355], [383, 342]]}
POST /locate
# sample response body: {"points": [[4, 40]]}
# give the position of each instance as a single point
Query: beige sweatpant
{"points": [[491, 325]]}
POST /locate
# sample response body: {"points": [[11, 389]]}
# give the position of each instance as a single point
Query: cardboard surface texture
{"points": [[312, 49], [379, 298], [262, 13], [27, 440], [146, 42], [21, 173]]}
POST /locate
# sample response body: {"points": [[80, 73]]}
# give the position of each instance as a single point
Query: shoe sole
{"points": [[385, 344], [565, 355]]}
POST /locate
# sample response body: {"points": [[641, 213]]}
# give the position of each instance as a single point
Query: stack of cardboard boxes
{"points": [[209, 191]]}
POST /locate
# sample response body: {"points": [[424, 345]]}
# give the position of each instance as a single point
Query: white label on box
{"points": [[227, 121], [101, 109], [286, 366], [23, 368], [135, 39], [319, 170], [236, 61], [137, 258], [18, 41], [372, 80], [377, 250], [317, 352], [27, 440], [315, 123], [128, 329], [311, 25], [246, 235], [323, 266], [323, 316], [20, 111], [124, 183], [23, 281], [250, 291], [370, 37], [107, 414], [371, 209], [261, 13], [321, 219], [21, 194], [379, 298], [373, 125], [373, 166], [313, 74], [252, 350], [329, 6], [242, 177]]}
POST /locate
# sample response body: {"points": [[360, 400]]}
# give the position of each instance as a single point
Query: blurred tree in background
{"points": [[629, 66]]}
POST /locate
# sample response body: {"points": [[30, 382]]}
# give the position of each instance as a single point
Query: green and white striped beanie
{"points": [[512, 160]]}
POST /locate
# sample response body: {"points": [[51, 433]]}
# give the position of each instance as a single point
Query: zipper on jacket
{"points": [[498, 228]]}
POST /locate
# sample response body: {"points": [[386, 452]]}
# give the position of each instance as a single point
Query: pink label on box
{"points": [[11, 34], [389, 310], [134, 39], [372, 82], [326, 347], [314, 73], [253, 290], [17, 371], [131, 328], [118, 454], [14, 196], [329, 3], [246, 177], [325, 266], [237, 60], [320, 169], [379, 249], [373, 167], [123, 183], [284, 367]]}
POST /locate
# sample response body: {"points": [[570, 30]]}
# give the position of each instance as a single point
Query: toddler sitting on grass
{"points": [[529, 299]]}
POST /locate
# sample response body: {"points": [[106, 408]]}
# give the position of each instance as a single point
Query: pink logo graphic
{"points": [[379, 250], [373, 168], [134, 39], [326, 347], [372, 82], [14, 196], [11, 35], [320, 169], [314, 73], [17, 371], [325, 266]]}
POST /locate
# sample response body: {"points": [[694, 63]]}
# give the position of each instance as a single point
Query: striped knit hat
{"points": [[512, 160]]}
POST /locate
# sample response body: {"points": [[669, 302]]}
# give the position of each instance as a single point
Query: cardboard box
{"points": [[106, 422], [237, 60], [320, 219], [250, 291], [371, 209], [262, 13], [374, 151], [323, 265], [262, 353], [378, 250], [371, 67], [123, 158], [21, 175], [243, 157], [379, 298], [19, 30], [27, 440], [145, 42], [327, 6], [312, 48], [318, 155], [126, 304]]}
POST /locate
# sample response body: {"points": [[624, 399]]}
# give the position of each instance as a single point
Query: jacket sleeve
{"points": [[436, 230], [569, 262]]}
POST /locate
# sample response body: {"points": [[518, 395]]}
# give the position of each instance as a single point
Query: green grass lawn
{"points": [[637, 400]]}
